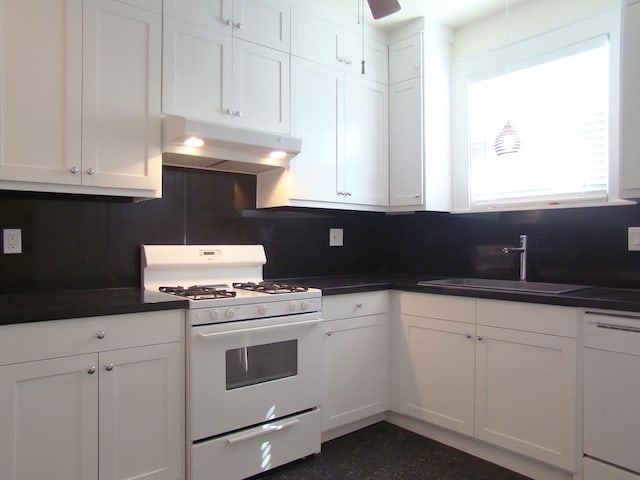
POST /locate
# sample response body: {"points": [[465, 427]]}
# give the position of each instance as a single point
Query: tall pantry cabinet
{"points": [[80, 96]]}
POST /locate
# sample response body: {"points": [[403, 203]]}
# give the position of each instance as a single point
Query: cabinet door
{"points": [[40, 90], [196, 73], [316, 116], [355, 348], [140, 413], [121, 96], [405, 143], [213, 15], [49, 419], [438, 372], [261, 87], [405, 59], [315, 39], [630, 103], [526, 394], [265, 22], [364, 174]]}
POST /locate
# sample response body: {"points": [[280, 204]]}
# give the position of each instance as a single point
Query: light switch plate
{"points": [[336, 237], [633, 241]]}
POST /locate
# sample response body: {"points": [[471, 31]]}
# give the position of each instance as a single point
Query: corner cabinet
{"points": [[80, 97], [630, 101], [506, 372], [419, 113], [97, 398], [356, 358]]}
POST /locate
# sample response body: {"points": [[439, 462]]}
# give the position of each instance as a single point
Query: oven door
{"points": [[246, 373]]}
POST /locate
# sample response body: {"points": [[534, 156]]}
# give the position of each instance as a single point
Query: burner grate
{"points": [[200, 292], [269, 287]]}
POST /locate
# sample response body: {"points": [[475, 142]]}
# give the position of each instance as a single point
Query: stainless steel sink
{"points": [[511, 285]]}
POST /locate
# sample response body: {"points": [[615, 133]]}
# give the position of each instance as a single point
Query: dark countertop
{"points": [[44, 306], [592, 297]]}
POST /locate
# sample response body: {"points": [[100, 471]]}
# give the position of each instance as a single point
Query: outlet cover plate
{"points": [[633, 241], [336, 237], [11, 240]]}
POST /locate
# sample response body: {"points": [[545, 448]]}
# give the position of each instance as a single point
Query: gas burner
{"points": [[200, 292], [269, 287]]}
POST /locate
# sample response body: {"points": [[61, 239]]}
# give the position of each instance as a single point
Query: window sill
{"points": [[545, 205]]}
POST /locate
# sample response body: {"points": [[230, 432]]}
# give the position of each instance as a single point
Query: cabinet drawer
{"points": [[594, 470], [241, 454], [355, 305], [443, 307], [529, 317], [33, 341]]}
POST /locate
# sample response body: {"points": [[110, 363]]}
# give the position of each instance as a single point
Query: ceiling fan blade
{"points": [[382, 8]]}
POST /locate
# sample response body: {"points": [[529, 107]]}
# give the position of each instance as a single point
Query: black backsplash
{"points": [[72, 242]]}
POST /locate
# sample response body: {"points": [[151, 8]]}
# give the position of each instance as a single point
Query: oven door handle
{"points": [[264, 430], [256, 329]]}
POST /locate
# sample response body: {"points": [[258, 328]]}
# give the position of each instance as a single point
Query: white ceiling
{"points": [[452, 13]]}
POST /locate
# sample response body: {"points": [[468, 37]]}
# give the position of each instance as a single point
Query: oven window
{"points": [[261, 363]]}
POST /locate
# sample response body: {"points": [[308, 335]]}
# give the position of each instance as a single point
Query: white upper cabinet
{"points": [[317, 100], [120, 98], [420, 131], [265, 22], [80, 97], [405, 59], [211, 76], [331, 45], [343, 123], [363, 178], [630, 102]]}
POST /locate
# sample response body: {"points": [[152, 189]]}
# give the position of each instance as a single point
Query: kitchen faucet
{"points": [[522, 250]]}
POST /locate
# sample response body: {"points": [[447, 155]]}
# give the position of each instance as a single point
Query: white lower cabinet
{"points": [[503, 372], [111, 414], [356, 358]]}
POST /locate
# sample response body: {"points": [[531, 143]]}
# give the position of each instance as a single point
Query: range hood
{"points": [[188, 143]]}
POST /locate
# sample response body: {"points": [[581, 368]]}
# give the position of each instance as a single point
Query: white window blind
{"points": [[559, 105]]}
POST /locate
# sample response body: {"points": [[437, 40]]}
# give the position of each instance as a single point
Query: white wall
{"points": [[525, 20]]}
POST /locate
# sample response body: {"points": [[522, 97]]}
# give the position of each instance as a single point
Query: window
{"points": [[560, 96]]}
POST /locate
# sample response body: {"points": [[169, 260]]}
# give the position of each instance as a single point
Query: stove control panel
{"points": [[203, 316]]}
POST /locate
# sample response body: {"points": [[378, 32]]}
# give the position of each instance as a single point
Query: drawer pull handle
{"points": [[359, 305], [621, 328], [264, 430], [100, 335], [108, 367], [91, 370], [480, 338], [468, 336], [329, 333]]}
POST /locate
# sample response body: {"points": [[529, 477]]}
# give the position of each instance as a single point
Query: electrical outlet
{"points": [[12, 240], [335, 237], [633, 239]]}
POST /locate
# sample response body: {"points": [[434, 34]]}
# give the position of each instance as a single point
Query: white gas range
{"points": [[254, 355]]}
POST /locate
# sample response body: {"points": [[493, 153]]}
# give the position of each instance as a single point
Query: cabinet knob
{"points": [[340, 59], [228, 111], [468, 336], [74, 170], [347, 194], [228, 22], [359, 305], [100, 335], [328, 333], [108, 367], [91, 171], [348, 62], [416, 66], [417, 195], [237, 113], [480, 338], [238, 25], [91, 370]]}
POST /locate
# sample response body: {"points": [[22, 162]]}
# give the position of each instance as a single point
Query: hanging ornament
{"points": [[507, 141]]}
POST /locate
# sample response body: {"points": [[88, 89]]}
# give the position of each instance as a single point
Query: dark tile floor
{"points": [[386, 452]]}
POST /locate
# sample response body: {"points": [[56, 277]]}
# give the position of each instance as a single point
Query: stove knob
{"points": [[292, 307], [213, 315], [229, 313], [262, 310], [305, 306]]}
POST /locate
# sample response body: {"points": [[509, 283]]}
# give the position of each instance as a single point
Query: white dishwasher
{"points": [[611, 397]]}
